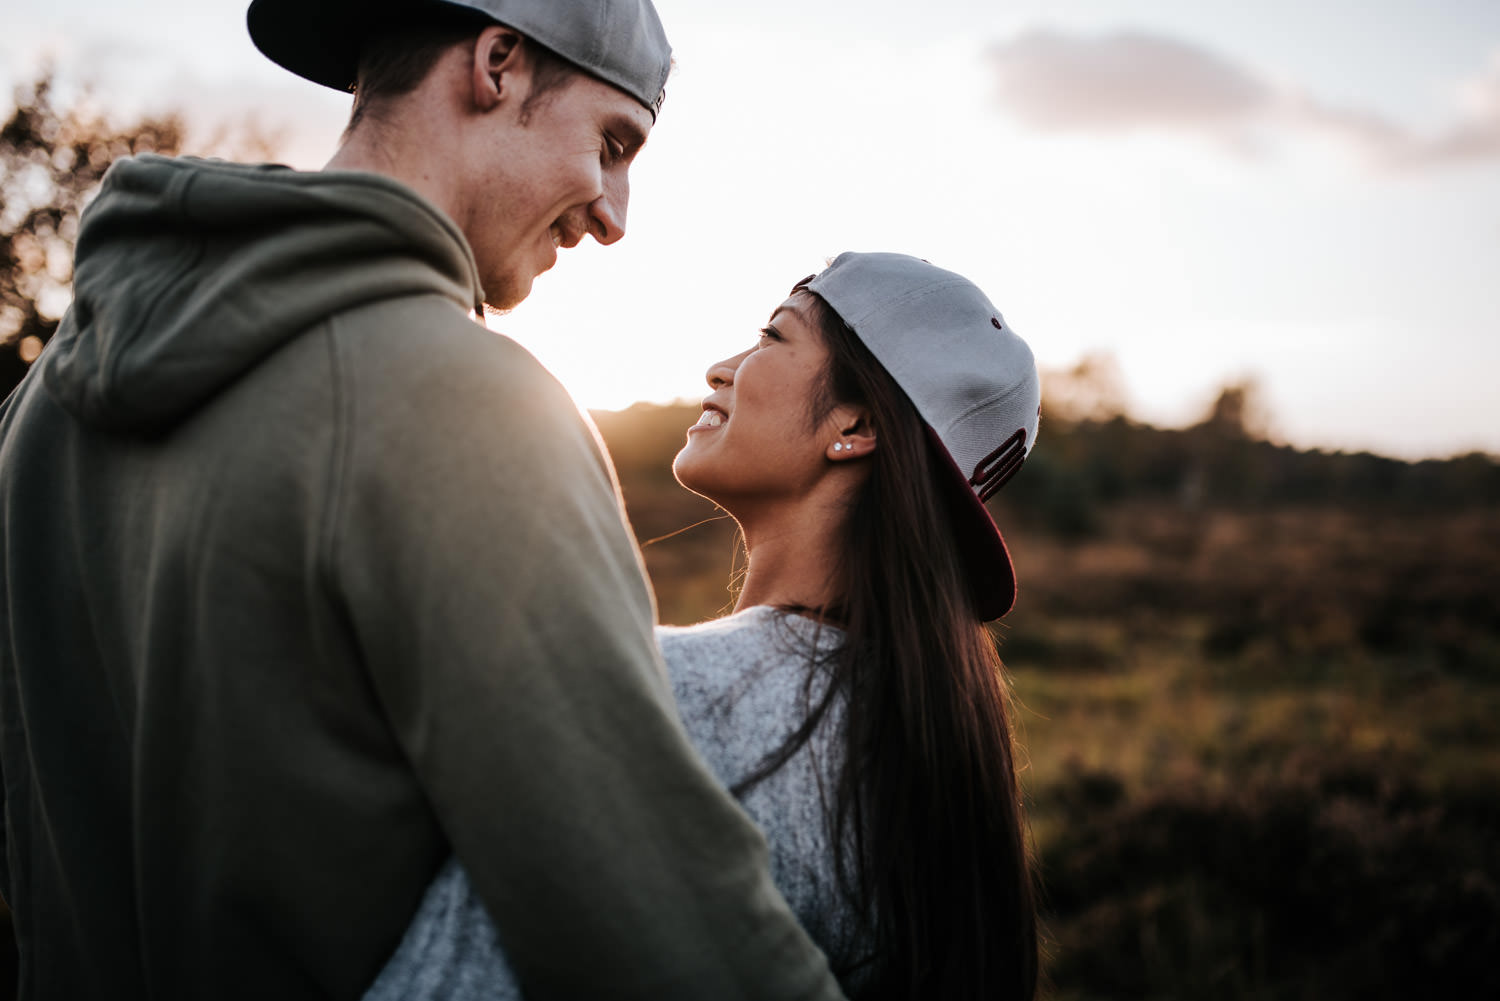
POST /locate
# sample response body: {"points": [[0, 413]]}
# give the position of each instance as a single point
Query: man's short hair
{"points": [[394, 60]]}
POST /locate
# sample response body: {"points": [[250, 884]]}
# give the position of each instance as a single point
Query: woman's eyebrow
{"points": [[792, 307], [777, 312]]}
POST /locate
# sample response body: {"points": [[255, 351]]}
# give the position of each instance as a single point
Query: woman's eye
{"points": [[613, 149]]}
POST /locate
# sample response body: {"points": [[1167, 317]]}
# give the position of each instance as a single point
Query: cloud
{"points": [[1477, 135], [1137, 81], [1056, 82]]}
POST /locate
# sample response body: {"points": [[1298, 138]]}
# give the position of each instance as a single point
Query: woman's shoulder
{"points": [[730, 630], [748, 643], [741, 682], [759, 625]]}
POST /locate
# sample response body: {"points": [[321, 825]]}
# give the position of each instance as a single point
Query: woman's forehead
{"points": [[798, 305]]}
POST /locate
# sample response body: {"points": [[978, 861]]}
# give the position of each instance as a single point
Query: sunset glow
{"points": [[1203, 194]]}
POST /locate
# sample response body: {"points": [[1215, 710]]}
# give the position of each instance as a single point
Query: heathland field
{"points": [[1258, 693]]}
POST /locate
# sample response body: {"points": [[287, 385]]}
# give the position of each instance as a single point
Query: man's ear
{"points": [[498, 66], [855, 437]]}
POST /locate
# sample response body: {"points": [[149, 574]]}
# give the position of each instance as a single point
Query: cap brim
{"points": [[986, 561], [321, 41], [316, 41]]}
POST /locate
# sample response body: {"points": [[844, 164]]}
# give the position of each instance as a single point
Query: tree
{"points": [[1092, 390], [1239, 411], [53, 155]]}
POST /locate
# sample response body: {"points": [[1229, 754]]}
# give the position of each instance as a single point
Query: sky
{"points": [[1303, 195]]}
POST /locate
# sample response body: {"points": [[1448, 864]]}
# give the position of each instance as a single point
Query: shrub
{"points": [[1327, 877]]}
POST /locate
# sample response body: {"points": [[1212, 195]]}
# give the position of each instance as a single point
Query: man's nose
{"points": [[607, 212]]}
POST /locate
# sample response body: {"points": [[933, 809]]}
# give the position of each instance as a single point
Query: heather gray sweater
{"points": [[741, 687]]}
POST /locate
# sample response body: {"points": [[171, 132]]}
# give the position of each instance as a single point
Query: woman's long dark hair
{"points": [[927, 821]]}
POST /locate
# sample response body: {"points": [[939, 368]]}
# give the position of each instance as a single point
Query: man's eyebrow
{"points": [[628, 132]]}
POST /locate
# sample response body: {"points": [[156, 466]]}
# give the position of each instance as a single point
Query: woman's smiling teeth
{"points": [[711, 419]]}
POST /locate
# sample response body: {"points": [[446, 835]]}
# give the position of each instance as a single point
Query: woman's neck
{"points": [[791, 554]]}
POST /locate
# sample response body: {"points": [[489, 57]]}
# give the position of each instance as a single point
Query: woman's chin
{"points": [[682, 467], [685, 468]]}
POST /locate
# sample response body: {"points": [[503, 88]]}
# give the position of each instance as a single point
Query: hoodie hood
{"points": [[190, 272]]}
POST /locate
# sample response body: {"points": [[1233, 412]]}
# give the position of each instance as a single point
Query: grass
{"points": [[1219, 827]]}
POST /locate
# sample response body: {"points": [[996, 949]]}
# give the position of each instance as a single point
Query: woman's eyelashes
{"points": [[768, 334]]}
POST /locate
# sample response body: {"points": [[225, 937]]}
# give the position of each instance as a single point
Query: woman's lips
{"points": [[710, 420]]}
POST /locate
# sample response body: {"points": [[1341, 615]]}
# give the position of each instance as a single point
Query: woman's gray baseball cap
{"points": [[971, 378], [619, 41]]}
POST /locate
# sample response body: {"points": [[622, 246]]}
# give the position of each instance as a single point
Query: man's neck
{"points": [[405, 151]]}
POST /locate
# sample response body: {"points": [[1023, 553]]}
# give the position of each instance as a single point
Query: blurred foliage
{"points": [[1328, 875], [1079, 469], [54, 151], [53, 156]]}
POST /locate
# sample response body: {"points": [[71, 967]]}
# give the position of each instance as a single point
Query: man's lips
{"points": [[565, 236]]}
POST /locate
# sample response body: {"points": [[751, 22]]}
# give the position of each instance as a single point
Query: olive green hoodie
{"points": [[308, 579]]}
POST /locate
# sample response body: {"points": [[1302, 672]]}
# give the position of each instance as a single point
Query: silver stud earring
{"points": [[838, 446]]}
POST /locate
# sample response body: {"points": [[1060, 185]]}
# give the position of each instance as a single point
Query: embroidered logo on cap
{"points": [[999, 466]]}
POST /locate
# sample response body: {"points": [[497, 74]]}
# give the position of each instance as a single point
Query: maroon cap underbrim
{"points": [[981, 548]]}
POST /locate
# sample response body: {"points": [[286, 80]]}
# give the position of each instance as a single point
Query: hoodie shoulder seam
{"points": [[342, 403]]}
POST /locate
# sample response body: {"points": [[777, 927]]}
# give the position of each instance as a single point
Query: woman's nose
{"points": [[721, 373]]}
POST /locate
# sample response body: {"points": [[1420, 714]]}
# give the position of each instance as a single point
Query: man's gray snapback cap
{"points": [[619, 41], [972, 379]]}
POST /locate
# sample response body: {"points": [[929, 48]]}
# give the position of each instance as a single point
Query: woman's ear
{"points": [[497, 69], [855, 434]]}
